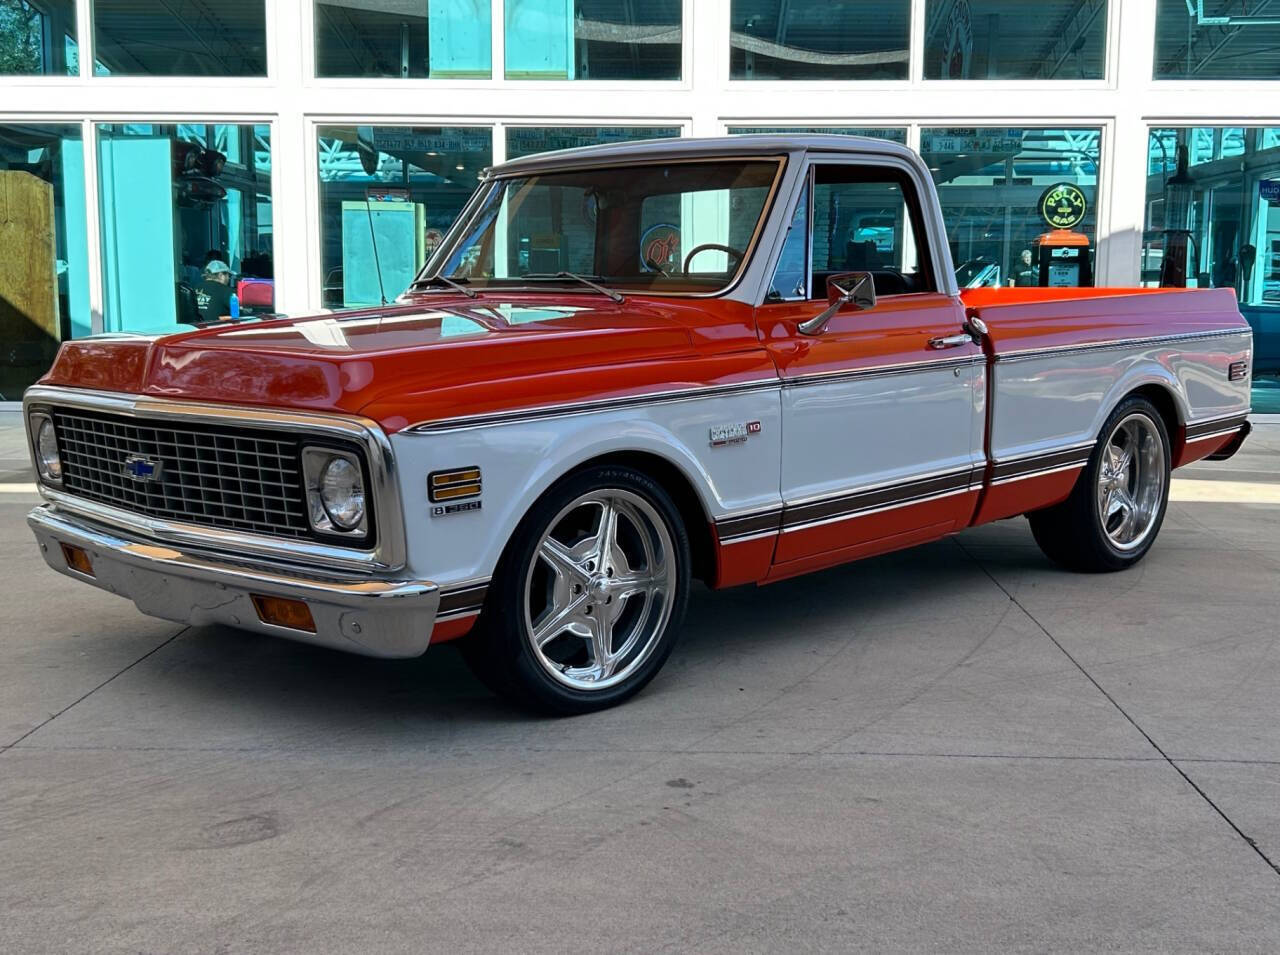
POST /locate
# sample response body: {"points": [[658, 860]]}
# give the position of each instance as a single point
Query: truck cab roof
{"points": [[755, 144]]}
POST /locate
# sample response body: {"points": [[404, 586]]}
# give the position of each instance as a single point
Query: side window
{"points": [[791, 275], [867, 219]]}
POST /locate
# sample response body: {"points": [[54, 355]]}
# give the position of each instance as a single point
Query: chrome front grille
{"points": [[223, 476]]}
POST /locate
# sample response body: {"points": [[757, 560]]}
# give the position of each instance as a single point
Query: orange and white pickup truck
{"points": [[625, 367]]}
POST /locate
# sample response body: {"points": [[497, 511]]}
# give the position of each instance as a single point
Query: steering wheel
{"points": [[738, 256]]}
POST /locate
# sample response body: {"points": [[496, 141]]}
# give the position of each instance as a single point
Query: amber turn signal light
{"points": [[283, 612], [77, 559], [451, 485]]}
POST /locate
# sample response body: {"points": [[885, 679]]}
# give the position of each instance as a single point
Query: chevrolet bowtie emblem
{"points": [[141, 469]]}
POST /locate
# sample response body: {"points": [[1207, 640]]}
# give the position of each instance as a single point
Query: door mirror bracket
{"points": [[857, 288]]}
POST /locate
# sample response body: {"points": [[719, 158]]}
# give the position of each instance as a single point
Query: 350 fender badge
{"points": [[441, 509], [736, 433]]}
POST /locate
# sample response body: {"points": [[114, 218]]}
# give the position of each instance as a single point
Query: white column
{"points": [[706, 36], [1124, 165], [293, 170]]}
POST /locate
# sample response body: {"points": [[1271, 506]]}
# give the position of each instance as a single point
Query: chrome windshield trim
{"points": [[750, 260], [389, 552]]}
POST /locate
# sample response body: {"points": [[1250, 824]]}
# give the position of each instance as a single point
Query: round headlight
{"points": [[342, 493], [47, 459]]}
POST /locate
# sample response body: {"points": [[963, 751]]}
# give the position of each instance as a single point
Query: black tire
{"points": [[501, 650], [1073, 534]]}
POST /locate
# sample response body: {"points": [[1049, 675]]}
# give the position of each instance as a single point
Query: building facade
{"points": [[319, 148]]}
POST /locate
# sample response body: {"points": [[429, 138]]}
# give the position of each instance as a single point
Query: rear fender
{"points": [[1144, 374]]}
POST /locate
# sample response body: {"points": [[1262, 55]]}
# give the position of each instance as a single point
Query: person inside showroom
{"points": [[1024, 272], [214, 298]]}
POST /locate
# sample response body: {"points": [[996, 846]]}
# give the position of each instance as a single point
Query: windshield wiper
{"points": [[616, 296], [456, 286]]}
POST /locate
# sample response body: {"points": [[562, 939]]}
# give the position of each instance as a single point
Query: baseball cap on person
{"points": [[216, 267]]}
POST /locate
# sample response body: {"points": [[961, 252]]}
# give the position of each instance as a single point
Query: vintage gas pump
{"points": [[1177, 225], [1063, 256], [1064, 259]]}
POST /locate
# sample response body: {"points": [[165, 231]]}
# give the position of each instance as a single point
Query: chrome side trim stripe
{"points": [[1043, 472], [467, 422], [1035, 465], [828, 509], [864, 512], [851, 504], [1213, 427], [461, 601], [837, 507], [1030, 353], [1213, 434], [732, 529], [880, 371]]}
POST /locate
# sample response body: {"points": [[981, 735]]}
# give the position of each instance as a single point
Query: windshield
{"points": [[665, 227]]}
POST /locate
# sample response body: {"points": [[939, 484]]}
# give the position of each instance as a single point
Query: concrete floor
{"points": [[953, 748]]}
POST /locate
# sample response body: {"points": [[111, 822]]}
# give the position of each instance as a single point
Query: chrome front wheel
{"points": [[1130, 486], [598, 590], [589, 596]]}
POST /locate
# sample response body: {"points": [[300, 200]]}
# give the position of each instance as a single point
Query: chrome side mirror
{"points": [[842, 289]]}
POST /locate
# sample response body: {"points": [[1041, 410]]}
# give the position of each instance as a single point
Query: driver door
{"points": [[881, 409]]}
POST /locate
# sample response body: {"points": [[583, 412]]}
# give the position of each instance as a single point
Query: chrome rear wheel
{"points": [[1114, 512], [1131, 482]]}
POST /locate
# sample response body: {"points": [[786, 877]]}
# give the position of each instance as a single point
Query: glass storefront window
{"points": [[38, 38], [1215, 223], [388, 194], [158, 38], [44, 290], [895, 134], [439, 39], [593, 40], [186, 224], [819, 40], [1014, 40], [1216, 40], [991, 182], [527, 140]]}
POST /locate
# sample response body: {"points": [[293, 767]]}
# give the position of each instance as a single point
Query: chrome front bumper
{"points": [[369, 616]]}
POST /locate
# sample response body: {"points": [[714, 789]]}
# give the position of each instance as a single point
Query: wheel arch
{"points": [[676, 482], [1159, 386], [1159, 389], [1163, 398]]}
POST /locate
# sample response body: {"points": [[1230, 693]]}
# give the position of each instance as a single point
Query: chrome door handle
{"points": [[951, 341]]}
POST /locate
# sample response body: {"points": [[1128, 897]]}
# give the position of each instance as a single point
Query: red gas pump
{"points": [[1064, 259], [1062, 254]]}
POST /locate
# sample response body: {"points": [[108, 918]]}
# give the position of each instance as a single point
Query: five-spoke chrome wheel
{"points": [[599, 589], [1130, 482], [1114, 511]]}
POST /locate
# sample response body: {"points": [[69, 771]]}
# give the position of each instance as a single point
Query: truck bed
{"points": [[1021, 319], [1060, 359]]}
